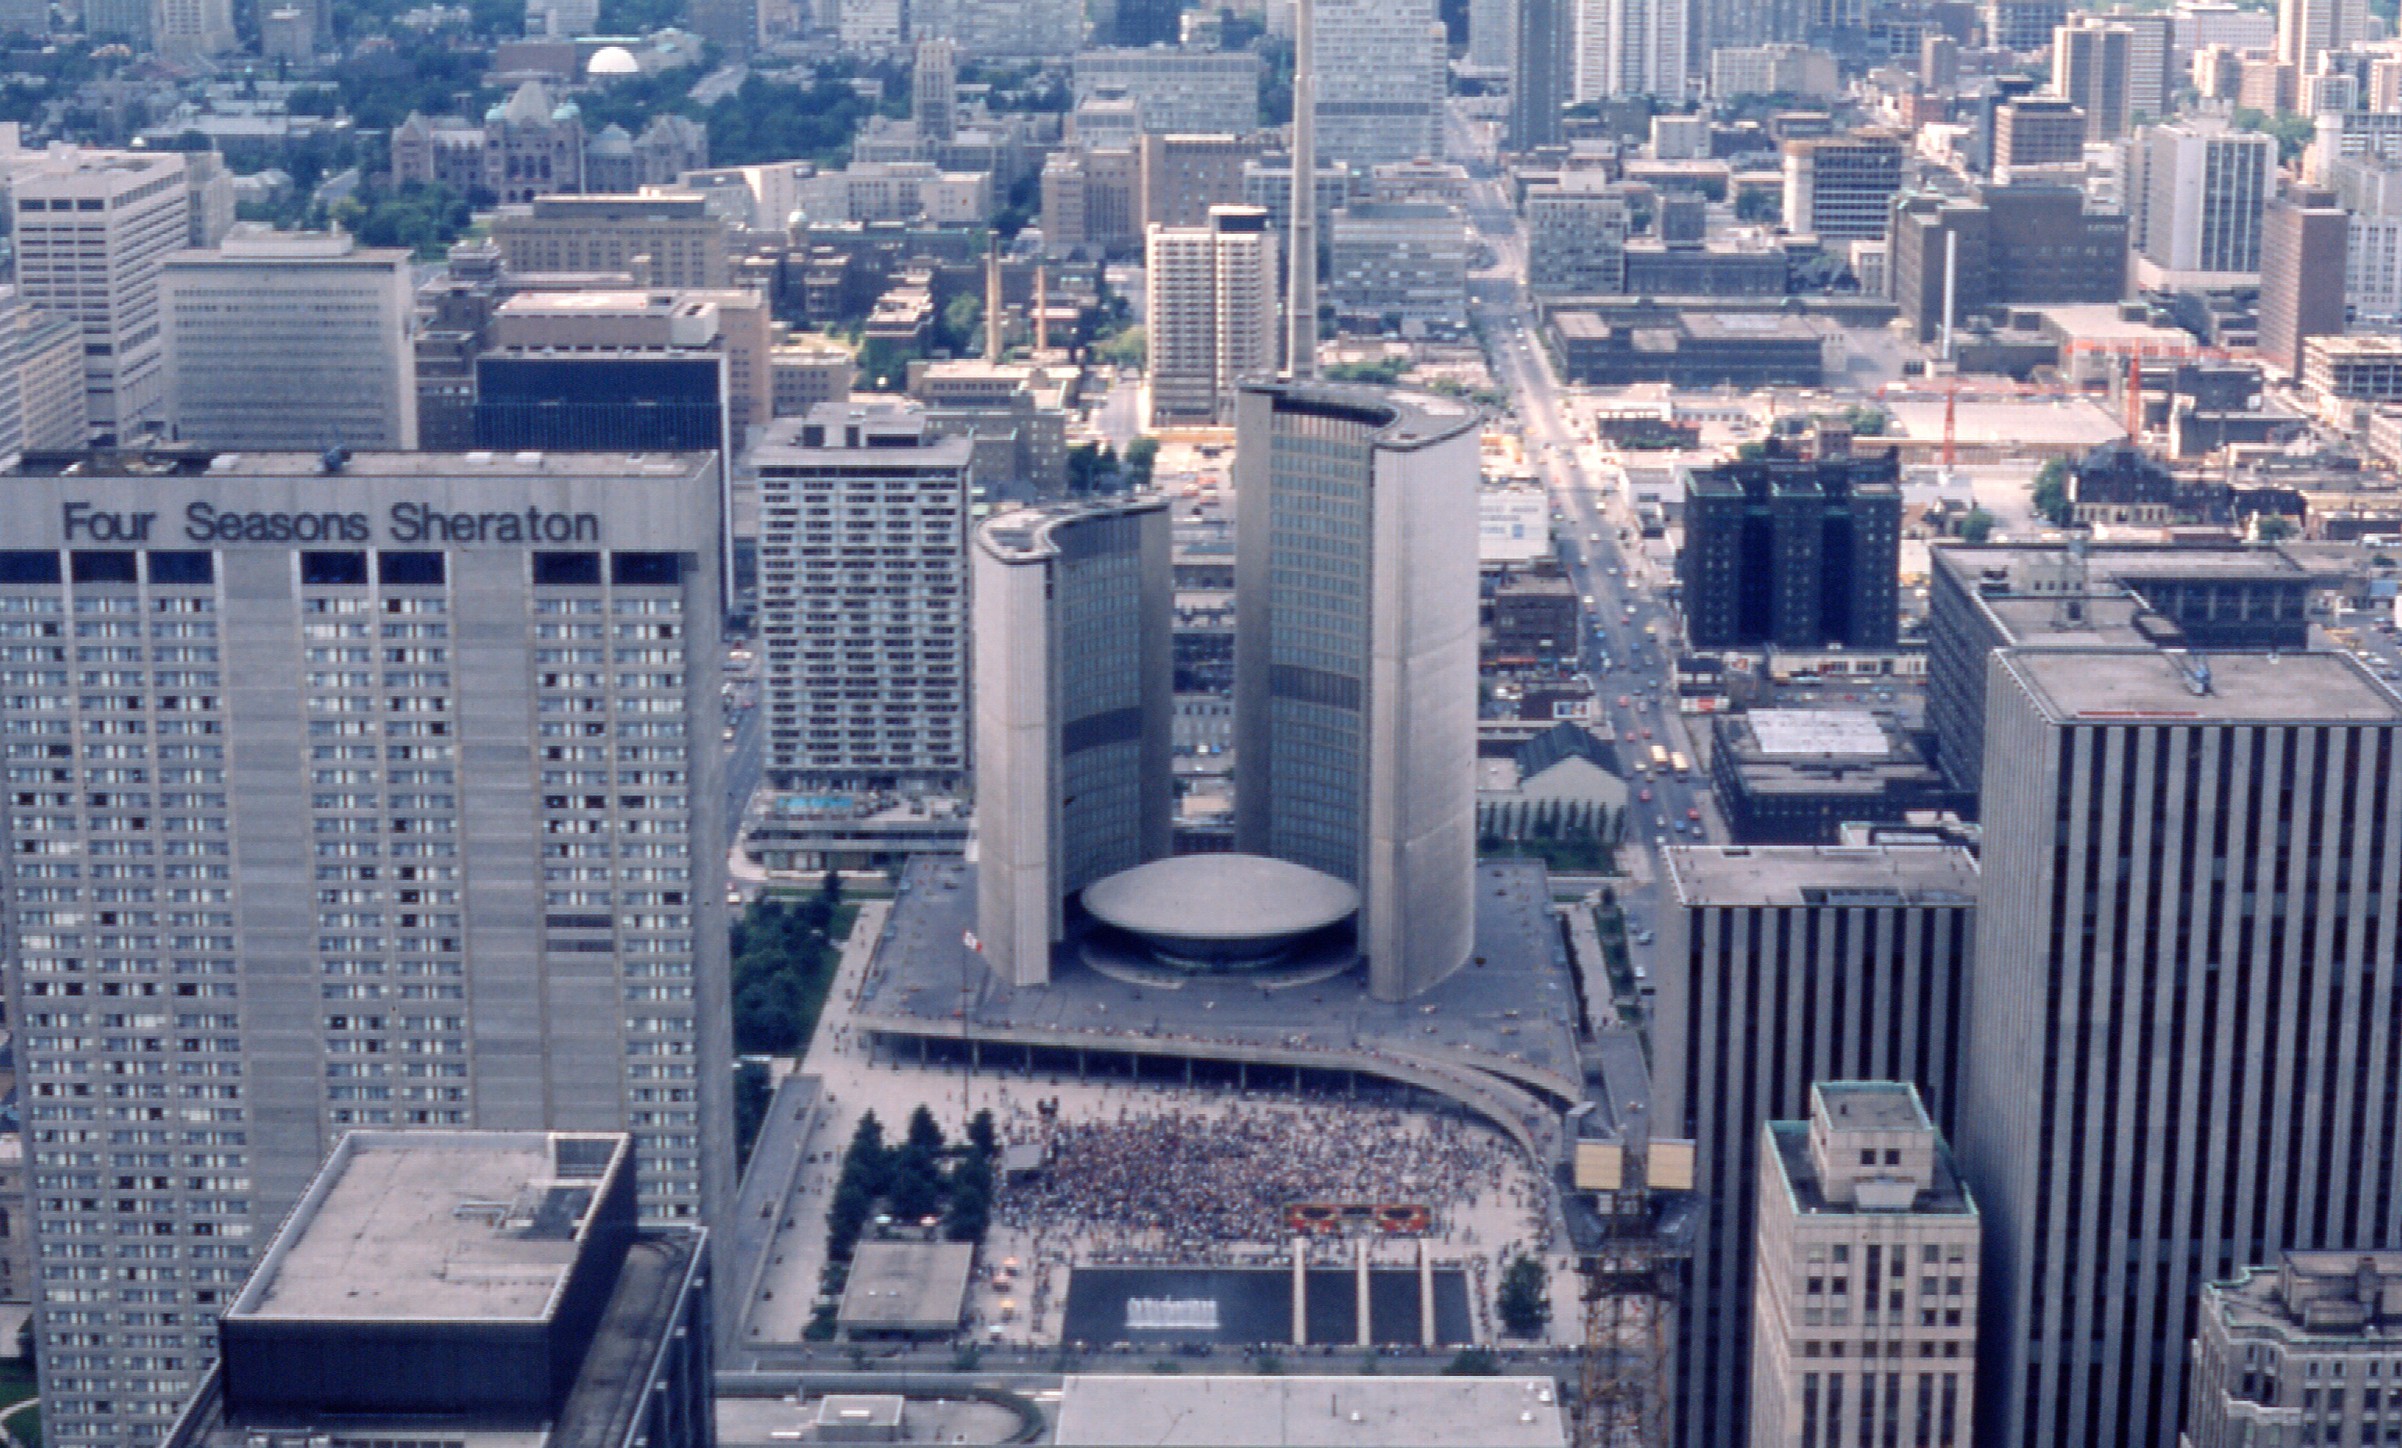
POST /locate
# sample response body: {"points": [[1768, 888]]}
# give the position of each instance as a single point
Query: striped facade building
{"points": [[2186, 1053], [1782, 967]]}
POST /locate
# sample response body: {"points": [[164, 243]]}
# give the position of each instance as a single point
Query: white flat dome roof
{"points": [[1223, 897]]}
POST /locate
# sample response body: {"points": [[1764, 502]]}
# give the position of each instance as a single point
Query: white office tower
{"points": [[1210, 304], [863, 598], [1355, 659], [1075, 703], [1382, 69], [190, 29], [1628, 48], [2205, 190], [1864, 1319], [382, 797], [94, 230], [290, 341], [2308, 29], [2180, 1057]]}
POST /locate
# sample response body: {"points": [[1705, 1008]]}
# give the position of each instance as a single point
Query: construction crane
{"points": [[1632, 1215]]}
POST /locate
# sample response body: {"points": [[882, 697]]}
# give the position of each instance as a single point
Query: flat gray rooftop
{"points": [[1948, 1197], [2032, 621], [907, 1286], [1309, 1412], [200, 466], [434, 1225], [1872, 1106], [1833, 875], [2107, 561], [2245, 688]]}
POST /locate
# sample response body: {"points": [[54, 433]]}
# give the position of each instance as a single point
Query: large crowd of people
{"points": [[1192, 1183]]}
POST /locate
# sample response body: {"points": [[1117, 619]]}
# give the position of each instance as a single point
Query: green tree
{"points": [[2050, 493], [925, 1133], [1142, 455], [982, 1135], [2272, 527], [1977, 526], [867, 1162], [1524, 1301], [1127, 347], [1758, 204], [1473, 1362]]}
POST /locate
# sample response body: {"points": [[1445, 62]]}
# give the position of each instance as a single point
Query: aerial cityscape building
{"points": [[371, 783]]}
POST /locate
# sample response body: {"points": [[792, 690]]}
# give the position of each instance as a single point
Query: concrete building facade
{"points": [[441, 820], [1075, 697], [2302, 1350], [1865, 1295], [1355, 659], [93, 232], [863, 598], [290, 343], [1838, 188], [659, 240], [1211, 309], [1781, 967], [2193, 872], [2303, 238]]}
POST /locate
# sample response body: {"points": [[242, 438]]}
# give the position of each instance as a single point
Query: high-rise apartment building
{"points": [[1355, 659], [1781, 967], [1796, 552], [1838, 188], [1075, 698], [2092, 69], [1627, 48], [1210, 294], [2302, 240], [659, 239], [1542, 72], [384, 796], [93, 231], [2302, 1348], [2203, 190], [2308, 29], [1864, 1316], [1382, 71], [2060, 596], [863, 598], [288, 342], [469, 1286], [2177, 1062]]}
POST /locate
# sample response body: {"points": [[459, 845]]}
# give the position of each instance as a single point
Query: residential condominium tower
{"points": [[1781, 967], [863, 598], [1355, 659], [285, 342], [2180, 1060], [1211, 308], [384, 796], [1075, 693]]}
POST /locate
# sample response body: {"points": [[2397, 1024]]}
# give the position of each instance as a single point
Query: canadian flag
{"points": [[968, 939]]}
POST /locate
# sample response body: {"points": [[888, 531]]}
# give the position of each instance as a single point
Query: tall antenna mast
{"points": [[1301, 297]]}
